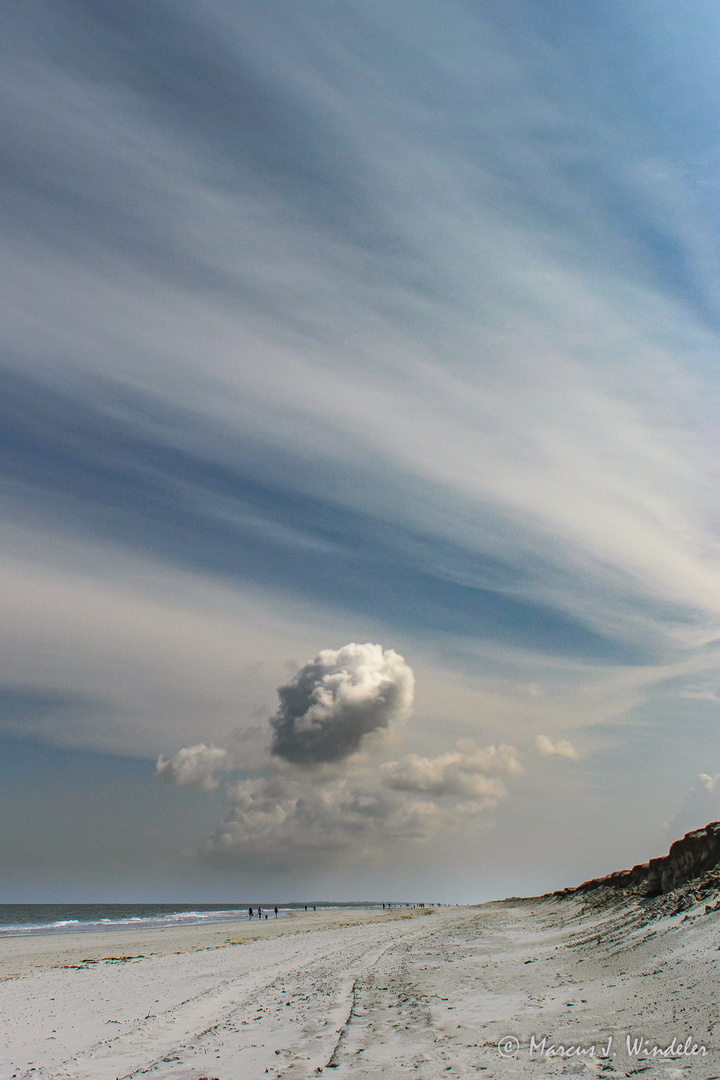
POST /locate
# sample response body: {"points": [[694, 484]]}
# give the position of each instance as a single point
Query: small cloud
{"points": [[708, 782], [562, 748], [700, 805], [461, 772], [195, 766]]}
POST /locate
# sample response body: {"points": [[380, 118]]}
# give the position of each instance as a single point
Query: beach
{"points": [[518, 988]]}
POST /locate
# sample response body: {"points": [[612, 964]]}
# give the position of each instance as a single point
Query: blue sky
{"points": [[338, 322]]}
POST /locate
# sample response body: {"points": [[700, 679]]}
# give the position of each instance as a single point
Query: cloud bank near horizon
{"points": [[330, 795]]}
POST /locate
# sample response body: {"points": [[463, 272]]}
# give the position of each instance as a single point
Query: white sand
{"points": [[368, 994]]}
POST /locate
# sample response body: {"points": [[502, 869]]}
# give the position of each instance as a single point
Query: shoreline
{"points": [[172, 917], [23, 953]]}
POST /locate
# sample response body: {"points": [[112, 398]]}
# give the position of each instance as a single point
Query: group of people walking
{"points": [[260, 913]]}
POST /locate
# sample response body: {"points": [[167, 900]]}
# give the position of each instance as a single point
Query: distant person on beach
{"points": [[250, 912], [276, 911]]}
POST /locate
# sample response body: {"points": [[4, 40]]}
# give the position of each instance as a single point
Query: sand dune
{"points": [[373, 994]]}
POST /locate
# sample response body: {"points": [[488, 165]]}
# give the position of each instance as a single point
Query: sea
{"points": [[27, 919]]}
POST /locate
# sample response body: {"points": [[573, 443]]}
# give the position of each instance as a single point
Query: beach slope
{"points": [[549, 986]]}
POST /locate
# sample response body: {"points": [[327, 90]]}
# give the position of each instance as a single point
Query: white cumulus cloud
{"points": [[461, 772], [195, 766], [708, 782], [356, 808], [337, 699], [319, 816], [317, 799]]}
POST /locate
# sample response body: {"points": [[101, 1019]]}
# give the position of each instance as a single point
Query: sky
{"points": [[360, 532]]}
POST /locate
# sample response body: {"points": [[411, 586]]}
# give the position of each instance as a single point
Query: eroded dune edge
{"points": [[601, 980]]}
